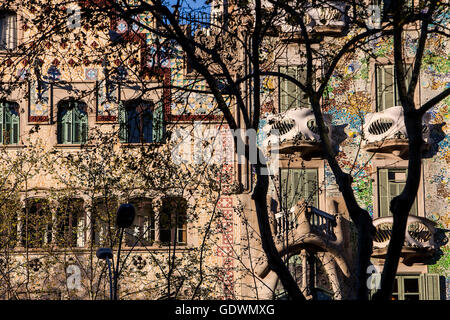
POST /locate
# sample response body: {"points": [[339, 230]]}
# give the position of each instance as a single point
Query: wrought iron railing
{"points": [[320, 222]]}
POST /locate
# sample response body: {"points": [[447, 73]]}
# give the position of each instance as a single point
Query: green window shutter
{"points": [[283, 90], [76, 125], [303, 99], [430, 287], [408, 68], [383, 193], [158, 123], [123, 131], [292, 91], [312, 187], [66, 121], [385, 86], [297, 184], [15, 128], [8, 124], [79, 124], [2, 106]]}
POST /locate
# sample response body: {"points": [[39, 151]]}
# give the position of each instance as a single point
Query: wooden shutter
{"points": [[7, 125], [15, 126], [66, 126], [430, 287], [303, 100], [408, 68], [283, 90], [385, 87], [158, 123], [383, 193], [123, 131], [299, 184], [76, 127], [311, 191]]}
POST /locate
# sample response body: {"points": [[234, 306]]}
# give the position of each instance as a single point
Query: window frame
{"points": [[373, 86], [74, 123], [381, 162], [73, 234], [300, 75], [389, 196], [4, 14], [148, 236], [139, 106], [5, 109], [37, 232], [303, 175], [174, 219]]}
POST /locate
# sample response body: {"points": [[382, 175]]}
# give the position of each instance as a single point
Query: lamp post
{"points": [[106, 254], [124, 219]]}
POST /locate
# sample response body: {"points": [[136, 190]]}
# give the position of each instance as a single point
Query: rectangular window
{"points": [[299, 184], [9, 123], [72, 122], [8, 30], [69, 221], [36, 224], [142, 232], [103, 220], [173, 221], [390, 184], [386, 87], [291, 96], [141, 122], [416, 287]]}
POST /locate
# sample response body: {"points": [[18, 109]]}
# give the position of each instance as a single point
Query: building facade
{"points": [[108, 112]]}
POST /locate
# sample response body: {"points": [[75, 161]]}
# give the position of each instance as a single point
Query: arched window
{"points": [[141, 122], [103, 215], [69, 220], [8, 30], [172, 221], [9, 122], [72, 122], [36, 224], [142, 232]]}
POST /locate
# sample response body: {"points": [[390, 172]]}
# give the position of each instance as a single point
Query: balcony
{"points": [[385, 132], [419, 246], [295, 131], [313, 221], [322, 19]]}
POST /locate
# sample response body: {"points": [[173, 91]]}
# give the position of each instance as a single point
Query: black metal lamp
{"points": [[125, 215], [107, 254]]}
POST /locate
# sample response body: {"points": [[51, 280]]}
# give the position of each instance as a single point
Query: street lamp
{"points": [[106, 254], [124, 219]]}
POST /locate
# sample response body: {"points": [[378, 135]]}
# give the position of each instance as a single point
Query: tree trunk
{"points": [[275, 262]]}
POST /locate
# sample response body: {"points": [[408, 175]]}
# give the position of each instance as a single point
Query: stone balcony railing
{"points": [[329, 19], [297, 132], [385, 132], [419, 243]]}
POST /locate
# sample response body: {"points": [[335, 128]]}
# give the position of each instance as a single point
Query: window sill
{"points": [[88, 249], [139, 144], [12, 146], [71, 146]]}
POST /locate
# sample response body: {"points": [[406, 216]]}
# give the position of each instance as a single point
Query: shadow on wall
{"points": [[436, 135]]}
